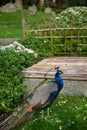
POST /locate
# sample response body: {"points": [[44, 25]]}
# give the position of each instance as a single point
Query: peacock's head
{"points": [[58, 71]]}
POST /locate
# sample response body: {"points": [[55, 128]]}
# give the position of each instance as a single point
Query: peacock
{"points": [[43, 98]]}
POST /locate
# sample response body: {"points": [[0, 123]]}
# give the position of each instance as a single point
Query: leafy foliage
{"points": [[41, 46], [12, 61], [11, 65], [76, 14]]}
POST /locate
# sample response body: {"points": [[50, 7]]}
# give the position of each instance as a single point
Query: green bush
{"points": [[41, 46], [11, 65], [12, 61], [76, 14]]}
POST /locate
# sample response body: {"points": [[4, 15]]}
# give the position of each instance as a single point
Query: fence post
{"points": [[78, 40], [45, 33], [24, 26], [65, 39], [39, 32], [51, 39], [71, 33]]}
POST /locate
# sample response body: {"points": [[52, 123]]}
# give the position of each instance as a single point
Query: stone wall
{"points": [[71, 87], [30, 85], [7, 41], [75, 88]]}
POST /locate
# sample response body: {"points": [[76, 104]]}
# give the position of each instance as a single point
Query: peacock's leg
{"points": [[48, 112], [42, 113]]}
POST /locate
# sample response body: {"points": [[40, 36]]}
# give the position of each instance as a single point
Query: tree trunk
{"points": [[18, 4], [41, 4]]}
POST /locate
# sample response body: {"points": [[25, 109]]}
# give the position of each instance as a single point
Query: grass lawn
{"points": [[66, 113], [11, 25]]}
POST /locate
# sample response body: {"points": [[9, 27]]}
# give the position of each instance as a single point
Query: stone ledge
{"points": [[71, 87], [7, 41]]}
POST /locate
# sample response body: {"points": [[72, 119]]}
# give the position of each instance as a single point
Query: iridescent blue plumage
{"points": [[59, 80], [48, 92]]}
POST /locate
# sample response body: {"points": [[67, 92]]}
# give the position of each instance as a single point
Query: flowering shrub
{"points": [[17, 47], [13, 59], [76, 14], [41, 46]]}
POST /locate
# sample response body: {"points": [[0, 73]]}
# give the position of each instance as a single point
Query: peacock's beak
{"points": [[60, 72]]}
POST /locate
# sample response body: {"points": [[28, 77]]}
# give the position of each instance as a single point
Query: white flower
{"points": [[60, 127], [84, 118], [17, 47], [77, 14], [45, 41]]}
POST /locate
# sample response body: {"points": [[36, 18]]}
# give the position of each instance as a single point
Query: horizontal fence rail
{"points": [[64, 40]]}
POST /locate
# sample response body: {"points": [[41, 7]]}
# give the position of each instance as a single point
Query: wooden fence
{"points": [[64, 41]]}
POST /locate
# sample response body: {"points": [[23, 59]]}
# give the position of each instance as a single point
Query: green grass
{"points": [[11, 25], [66, 113]]}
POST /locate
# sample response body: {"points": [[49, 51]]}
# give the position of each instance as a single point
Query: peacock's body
{"points": [[42, 98]]}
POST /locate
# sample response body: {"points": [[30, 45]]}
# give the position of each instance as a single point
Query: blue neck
{"points": [[59, 81]]}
